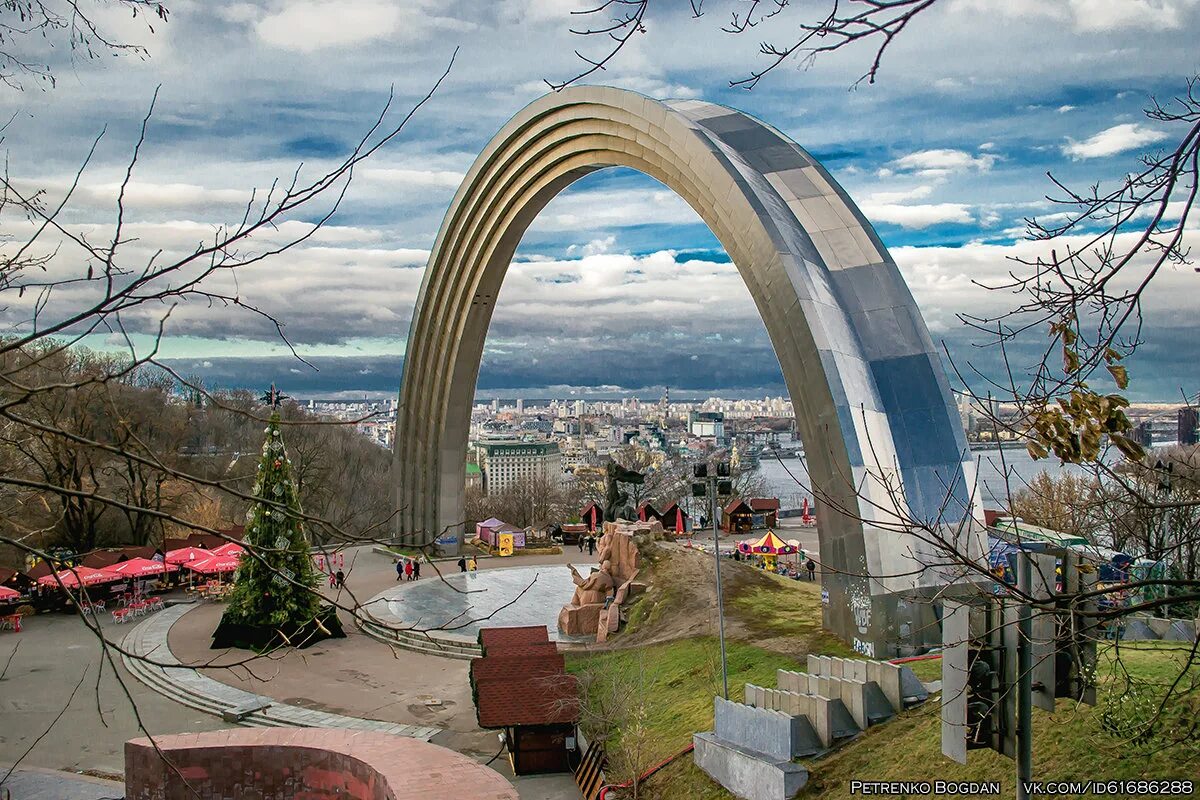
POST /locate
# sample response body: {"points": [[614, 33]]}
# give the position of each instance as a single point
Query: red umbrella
{"points": [[71, 578], [678, 519], [140, 568], [185, 554], [7, 594], [215, 564], [229, 549]]}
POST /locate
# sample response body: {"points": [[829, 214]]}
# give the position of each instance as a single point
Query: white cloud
{"points": [[940, 162], [894, 207], [1065, 109], [1109, 15], [590, 210], [401, 177], [312, 25], [1087, 15], [901, 196], [918, 216], [1111, 141]]}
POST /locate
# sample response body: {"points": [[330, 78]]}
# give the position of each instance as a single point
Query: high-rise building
{"points": [[520, 406], [506, 462], [1187, 418]]}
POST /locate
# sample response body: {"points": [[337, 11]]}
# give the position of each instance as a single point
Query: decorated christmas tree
{"points": [[274, 600]]}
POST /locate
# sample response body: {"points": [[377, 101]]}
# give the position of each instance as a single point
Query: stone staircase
{"points": [[431, 644], [753, 747], [194, 689]]}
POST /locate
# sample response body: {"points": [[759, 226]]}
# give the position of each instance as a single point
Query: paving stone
{"points": [[180, 683]]}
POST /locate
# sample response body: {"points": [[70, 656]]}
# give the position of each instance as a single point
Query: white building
{"points": [[506, 462]]}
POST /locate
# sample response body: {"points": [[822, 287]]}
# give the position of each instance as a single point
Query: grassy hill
{"points": [[663, 690]]}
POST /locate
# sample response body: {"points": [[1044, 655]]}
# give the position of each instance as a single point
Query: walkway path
{"points": [[47, 784], [192, 688]]}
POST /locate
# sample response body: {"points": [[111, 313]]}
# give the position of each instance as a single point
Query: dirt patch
{"points": [[681, 602]]}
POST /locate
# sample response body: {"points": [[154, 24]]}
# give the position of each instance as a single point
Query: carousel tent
{"points": [[768, 545]]}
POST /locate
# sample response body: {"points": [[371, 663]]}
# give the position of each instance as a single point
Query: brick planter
{"points": [[304, 764]]}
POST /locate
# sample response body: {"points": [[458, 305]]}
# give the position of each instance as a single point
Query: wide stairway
{"points": [[754, 746], [148, 658]]}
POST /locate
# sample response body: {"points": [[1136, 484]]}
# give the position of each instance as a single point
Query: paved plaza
{"points": [[45, 784], [54, 654], [356, 677], [363, 677], [464, 603]]}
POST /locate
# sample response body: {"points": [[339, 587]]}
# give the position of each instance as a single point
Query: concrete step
{"points": [[188, 688], [420, 644]]}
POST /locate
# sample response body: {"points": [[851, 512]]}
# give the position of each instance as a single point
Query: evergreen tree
{"points": [[278, 587]]}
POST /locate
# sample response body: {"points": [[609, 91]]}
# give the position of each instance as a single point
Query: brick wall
{"points": [[303, 764]]}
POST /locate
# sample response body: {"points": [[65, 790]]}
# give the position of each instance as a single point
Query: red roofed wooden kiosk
{"points": [[742, 516], [521, 686]]}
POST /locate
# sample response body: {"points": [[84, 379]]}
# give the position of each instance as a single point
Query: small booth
{"points": [[489, 532], [770, 547], [592, 516], [755, 513], [521, 688], [675, 519], [648, 513]]}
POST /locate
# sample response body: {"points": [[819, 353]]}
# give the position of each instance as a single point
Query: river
{"points": [[792, 488]]}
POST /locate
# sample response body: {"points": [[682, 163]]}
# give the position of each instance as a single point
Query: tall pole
{"points": [[716, 518], [1024, 683]]}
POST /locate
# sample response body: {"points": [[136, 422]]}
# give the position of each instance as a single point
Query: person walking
{"points": [[399, 569], [591, 545], [582, 541], [471, 565], [416, 569], [339, 579], [462, 564], [811, 566], [408, 570]]}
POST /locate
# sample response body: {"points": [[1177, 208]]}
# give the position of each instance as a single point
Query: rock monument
{"points": [[596, 605]]}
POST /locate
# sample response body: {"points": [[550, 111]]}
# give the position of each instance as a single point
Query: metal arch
{"points": [[882, 434]]}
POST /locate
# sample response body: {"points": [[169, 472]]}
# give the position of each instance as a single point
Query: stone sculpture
{"points": [[616, 500], [595, 588], [595, 606]]}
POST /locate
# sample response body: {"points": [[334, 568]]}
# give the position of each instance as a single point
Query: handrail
{"points": [[925, 657], [604, 790]]}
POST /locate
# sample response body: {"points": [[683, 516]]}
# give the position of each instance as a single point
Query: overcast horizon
{"points": [[618, 283]]}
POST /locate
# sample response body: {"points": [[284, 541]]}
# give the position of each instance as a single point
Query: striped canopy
{"points": [[768, 545]]}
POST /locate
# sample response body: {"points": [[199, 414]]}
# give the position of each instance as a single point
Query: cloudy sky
{"points": [[618, 283]]}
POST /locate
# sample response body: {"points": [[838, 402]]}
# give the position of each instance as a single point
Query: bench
{"points": [[243, 710]]}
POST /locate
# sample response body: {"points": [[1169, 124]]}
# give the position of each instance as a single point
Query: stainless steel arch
{"points": [[883, 439]]}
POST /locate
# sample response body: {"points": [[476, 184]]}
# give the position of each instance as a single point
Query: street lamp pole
{"points": [[714, 487], [716, 521]]}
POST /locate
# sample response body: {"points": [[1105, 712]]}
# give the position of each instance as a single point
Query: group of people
{"points": [[467, 564], [589, 542], [408, 569]]}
